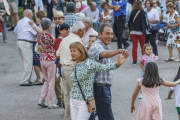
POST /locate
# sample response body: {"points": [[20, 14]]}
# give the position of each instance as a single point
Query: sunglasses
{"points": [[57, 18]]}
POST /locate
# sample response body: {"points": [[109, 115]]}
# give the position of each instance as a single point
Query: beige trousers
{"points": [[26, 51], [67, 85], [58, 90]]}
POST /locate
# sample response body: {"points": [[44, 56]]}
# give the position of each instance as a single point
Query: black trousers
{"points": [[118, 28], [151, 38]]}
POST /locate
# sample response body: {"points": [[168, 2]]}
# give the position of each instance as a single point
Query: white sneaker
{"points": [[140, 95], [43, 104], [156, 58], [161, 31], [52, 106]]}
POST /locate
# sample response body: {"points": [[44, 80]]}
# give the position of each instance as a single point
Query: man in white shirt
{"points": [[25, 35], [67, 64], [92, 12], [88, 22]]}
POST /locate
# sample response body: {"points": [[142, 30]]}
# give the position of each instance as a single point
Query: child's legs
{"points": [[46, 82], [135, 46], [178, 111], [142, 42], [51, 78]]}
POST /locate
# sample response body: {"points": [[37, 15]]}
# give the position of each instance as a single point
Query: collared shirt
{"points": [[94, 51], [123, 4], [85, 38], [93, 14], [24, 30], [70, 19], [64, 50]]}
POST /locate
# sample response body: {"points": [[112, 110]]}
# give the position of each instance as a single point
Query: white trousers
{"points": [[26, 51], [79, 110], [39, 4]]}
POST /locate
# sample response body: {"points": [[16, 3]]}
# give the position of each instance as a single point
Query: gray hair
{"points": [[89, 20], [92, 3], [101, 28], [70, 7], [45, 23], [78, 25]]}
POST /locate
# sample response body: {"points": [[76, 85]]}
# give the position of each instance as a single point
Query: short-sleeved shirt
{"points": [[152, 15], [47, 41], [177, 94], [94, 51], [123, 4], [70, 19], [144, 59]]}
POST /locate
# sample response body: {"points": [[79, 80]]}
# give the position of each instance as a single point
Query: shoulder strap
{"points": [[136, 15], [79, 85]]}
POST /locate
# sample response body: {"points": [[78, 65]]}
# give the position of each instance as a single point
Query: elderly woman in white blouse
{"points": [[106, 15]]}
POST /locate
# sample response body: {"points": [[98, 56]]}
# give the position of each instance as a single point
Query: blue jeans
{"points": [[161, 25], [102, 95]]}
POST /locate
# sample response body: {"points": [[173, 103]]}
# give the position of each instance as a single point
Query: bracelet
{"points": [[33, 26]]}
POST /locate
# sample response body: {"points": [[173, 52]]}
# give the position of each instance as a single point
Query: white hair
{"points": [[80, 15], [78, 25]]}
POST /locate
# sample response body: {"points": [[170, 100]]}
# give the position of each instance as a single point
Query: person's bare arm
{"points": [[142, 66], [38, 30], [101, 18], [111, 53], [170, 84], [136, 91], [153, 21], [169, 95]]}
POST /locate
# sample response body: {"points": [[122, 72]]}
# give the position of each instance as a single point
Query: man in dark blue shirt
{"points": [[119, 7]]}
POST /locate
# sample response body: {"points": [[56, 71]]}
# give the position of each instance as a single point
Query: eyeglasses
{"points": [[57, 18], [154, 3], [85, 22]]}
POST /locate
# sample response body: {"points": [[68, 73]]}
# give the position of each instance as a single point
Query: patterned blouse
{"points": [[47, 41], [85, 72]]}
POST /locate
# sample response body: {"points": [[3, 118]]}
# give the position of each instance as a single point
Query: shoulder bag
{"points": [[152, 28], [90, 102]]}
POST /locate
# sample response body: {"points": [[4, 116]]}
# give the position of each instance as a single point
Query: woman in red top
{"points": [[47, 59], [64, 32]]}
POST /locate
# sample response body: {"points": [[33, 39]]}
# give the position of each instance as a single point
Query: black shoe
{"points": [[27, 84], [126, 46], [11, 29], [134, 63], [92, 116], [59, 103]]}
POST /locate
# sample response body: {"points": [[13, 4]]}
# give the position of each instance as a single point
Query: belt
{"points": [[25, 40], [103, 84], [118, 17]]}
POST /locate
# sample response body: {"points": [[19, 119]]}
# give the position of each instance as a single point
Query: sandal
{"points": [[169, 59], [178, 60], [38, 82]]}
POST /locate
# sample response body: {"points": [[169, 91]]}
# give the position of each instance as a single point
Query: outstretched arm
{"points": [[136, 91], [111, 53], [170, 84]]}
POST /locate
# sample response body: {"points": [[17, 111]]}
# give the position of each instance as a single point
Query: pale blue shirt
{"points": [[25, 31], [93, 14]]}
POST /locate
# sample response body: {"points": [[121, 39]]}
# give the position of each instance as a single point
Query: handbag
{"points": [[90, 102], [152, 28]]}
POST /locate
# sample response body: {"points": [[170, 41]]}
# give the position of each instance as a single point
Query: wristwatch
{"points": [[33, 26]]}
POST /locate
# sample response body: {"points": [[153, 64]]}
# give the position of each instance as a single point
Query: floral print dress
{"points": [[174, 36]]}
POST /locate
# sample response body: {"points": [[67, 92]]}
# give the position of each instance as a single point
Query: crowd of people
{"points": [[71, 41]]}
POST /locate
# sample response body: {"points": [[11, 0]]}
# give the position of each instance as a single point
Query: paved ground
{"points": [[20, 103]]}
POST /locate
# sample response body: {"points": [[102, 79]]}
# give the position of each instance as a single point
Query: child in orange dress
{"points": [[150, 107]]}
